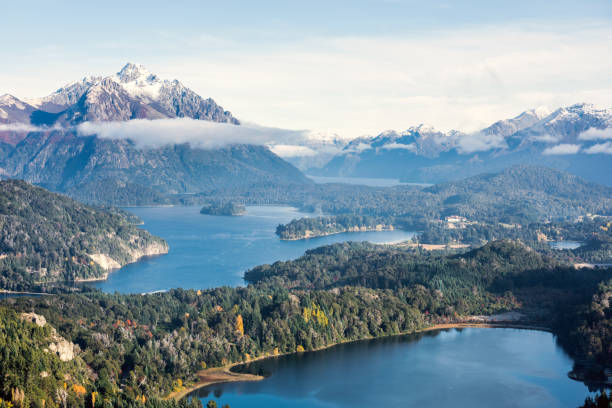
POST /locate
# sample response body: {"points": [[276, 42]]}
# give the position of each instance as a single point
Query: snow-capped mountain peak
{"points": [[423, 129], [139, 82], [540, 112], [135, 72], [9, 100], [133, 92]]}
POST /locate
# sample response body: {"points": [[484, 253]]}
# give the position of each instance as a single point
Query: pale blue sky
{"points": [[352, 67]]}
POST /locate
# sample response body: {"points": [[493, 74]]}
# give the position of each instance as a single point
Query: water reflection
{"points": [[469, 367]]}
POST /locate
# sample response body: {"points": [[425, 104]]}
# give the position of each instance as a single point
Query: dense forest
{"points": [[129, 346], [133, 350], [494, 206], [223, 208], [498, 276], [318, 226], [48, 238]]}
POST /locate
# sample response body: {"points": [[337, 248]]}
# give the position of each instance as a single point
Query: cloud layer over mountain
{"points": [[198, 133]]}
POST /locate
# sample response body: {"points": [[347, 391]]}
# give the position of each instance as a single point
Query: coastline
{"points": [[326, 234], [219, 375], [111, 270]]}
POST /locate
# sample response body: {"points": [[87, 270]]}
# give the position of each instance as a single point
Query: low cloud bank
{"points": [[565, 148], [601, 148], [197, 133], [391, 146], [20, 127], [479, 142], [283, 150], [596, 134]]}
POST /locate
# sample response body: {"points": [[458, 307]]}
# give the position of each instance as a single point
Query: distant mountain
{"points": [[40, 143], [95, 169], [573, 138], [47, 238]]}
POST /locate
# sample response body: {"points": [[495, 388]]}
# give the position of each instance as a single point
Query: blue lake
{"points": [[209, 251], [561, 245], [453, 368], [461, 368]]}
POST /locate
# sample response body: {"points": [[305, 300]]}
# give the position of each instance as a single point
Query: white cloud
{"points": [[357, 148], [601, 148], [198, 133], [596, 134], [463, 78], [411, 147], [360, 85], [560, 149], [478, 142], [283, 150], [19, 127]]}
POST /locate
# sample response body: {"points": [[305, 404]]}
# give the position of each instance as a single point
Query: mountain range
{"points": [[575, 139], [41, 142], [48, 141], [132, 93]]}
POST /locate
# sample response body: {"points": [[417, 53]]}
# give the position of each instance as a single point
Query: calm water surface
{"points": [[565, 244], [364, 181], [208, 251], [454, 368]]}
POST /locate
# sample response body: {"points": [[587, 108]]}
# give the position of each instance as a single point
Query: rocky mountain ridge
{"points": [[131, 93], [565, 138]]}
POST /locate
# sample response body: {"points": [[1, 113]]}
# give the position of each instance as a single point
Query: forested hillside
{"points": [[491, 205], [150, 345], [48, 238]]}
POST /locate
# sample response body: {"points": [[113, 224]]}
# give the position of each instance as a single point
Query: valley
{"points": [[155, 249]]}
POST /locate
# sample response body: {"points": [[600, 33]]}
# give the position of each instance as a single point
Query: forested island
{"points": [[223, 208], [48, 239]]}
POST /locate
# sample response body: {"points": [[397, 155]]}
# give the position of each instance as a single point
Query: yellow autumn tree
{"points": [[239, 325], [78, 389]]}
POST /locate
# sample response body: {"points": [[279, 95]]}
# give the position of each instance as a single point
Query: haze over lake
{"points": [[209, 251]]}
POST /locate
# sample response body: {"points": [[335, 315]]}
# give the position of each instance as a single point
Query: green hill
{"points": [[49, 238]]}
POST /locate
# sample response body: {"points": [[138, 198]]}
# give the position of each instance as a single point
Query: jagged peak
{"points": [[541, 111], [10, 100], [135, 72], [423, 128]]}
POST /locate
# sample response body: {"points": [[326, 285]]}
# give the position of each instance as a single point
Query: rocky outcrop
{"points": [[58, 345], [105, 262], [133, 255]]}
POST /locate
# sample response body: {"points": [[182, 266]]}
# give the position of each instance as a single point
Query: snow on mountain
{"points": [[573, 138], [133, 92], [507, 127], [14, 110], [564, 125]]}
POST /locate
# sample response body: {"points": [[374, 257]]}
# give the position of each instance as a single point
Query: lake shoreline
{"points": [[220, 375], [327, 234]]}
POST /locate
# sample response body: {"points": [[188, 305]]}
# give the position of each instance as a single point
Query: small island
{"points": [[223, 208]]}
